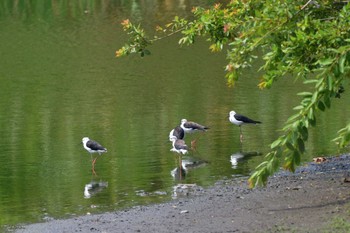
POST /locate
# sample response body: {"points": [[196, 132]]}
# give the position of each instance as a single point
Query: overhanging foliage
{"points": [[307, 39]]}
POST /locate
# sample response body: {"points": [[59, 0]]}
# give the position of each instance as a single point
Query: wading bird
{"points": [[191, 127], [179, 146], [93, 147], [240, 120]]}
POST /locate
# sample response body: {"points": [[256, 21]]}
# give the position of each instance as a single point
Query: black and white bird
{"points": [[240, 120], [177, 132], [93, 147], [179, 145], [191, 127]]}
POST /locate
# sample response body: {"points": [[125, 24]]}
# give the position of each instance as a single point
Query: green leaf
{"points": [[294, 135], [290, 146], [261, 165], [314, 97], [296, 157], [289, 163], [330, 81], [301, 145], [336, 71], [275, 164], [312, 122], [327, 101], [326, 61], [304, 133], [147, 52], [287, 127], [310, 114], [276, 143], [299, 107], [269, 156], [341, 63], [305, 93], [310, 81], [293, 117], [321, 106]]}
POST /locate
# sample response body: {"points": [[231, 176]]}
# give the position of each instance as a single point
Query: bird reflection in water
{"points": [[239, 157], [179, 173], [94, 187]]}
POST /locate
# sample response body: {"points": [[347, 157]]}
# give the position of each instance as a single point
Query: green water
{"points": [[61, 82]]}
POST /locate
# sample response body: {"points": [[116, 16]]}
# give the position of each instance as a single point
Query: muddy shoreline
{"points": [[309, 200]]}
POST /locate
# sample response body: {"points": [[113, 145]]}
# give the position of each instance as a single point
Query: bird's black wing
{"points": [[178, 132], [94, 145], [245, 119]]}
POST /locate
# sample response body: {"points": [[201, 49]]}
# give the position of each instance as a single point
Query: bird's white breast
{"points": [[234, 121]]}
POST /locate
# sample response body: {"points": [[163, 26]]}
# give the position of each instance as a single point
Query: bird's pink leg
{"points": [[93, 166], [194, 143], [94, 161], [241, 136]]}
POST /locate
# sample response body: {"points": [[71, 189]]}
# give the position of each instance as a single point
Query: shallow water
{"points": [[61, 82]]}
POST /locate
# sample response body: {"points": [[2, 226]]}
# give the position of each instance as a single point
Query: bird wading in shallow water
{"points": [[180, 147], [191, 127], [240, 120], [93, 147]]}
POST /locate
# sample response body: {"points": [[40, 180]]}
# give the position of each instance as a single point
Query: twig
{"points": [[167, 35], [302, 8]]}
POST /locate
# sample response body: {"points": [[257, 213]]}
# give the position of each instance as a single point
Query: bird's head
{"points": [[85, 139], [232, 113], [183, 121]]}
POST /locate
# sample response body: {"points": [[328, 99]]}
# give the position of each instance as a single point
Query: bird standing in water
{"points": [[191, 127], [93, 147], [180, 147], [240, 120]]}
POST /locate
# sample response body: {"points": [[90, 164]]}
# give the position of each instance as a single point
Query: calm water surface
{"points": [[60, 82]]}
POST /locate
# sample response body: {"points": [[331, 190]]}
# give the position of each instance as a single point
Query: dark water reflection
{"points": [[61, 82]]}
